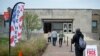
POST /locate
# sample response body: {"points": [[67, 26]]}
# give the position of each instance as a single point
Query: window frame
{"points": [[95, 22], [95, 29]]}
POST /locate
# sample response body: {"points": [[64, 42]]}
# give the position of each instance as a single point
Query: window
{"points": [[57, 26], [94, 24], [70, 25], [65, 30], [70, 31]]}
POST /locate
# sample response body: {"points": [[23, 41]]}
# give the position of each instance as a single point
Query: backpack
{"points": [[82, 43]]}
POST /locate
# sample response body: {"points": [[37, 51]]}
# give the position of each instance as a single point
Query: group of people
{"points": [[52, 36]]}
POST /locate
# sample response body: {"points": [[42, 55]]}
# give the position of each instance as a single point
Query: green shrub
{"points": [[30, 48], [4, 50], [4, 41], [33, 47], [4, 46]]}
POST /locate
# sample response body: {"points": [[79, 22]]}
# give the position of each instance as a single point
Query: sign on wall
{"points": [[91, 50]]}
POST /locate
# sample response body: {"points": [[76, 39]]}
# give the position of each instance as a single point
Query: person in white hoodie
{"points": [[54, 37]]}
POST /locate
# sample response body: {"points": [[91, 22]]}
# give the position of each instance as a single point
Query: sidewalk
{"points": [[66, 50], [58, 51]]}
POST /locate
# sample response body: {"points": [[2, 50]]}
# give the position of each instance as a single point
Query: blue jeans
{"points": [[54, 41]]}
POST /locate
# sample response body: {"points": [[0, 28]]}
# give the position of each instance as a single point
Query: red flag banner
{"points": [[6, 15], [16, 23]]}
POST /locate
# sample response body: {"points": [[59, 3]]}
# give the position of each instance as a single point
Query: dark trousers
{"points": [[49, 39], [54, 41], [60, 41], [78, 52]]}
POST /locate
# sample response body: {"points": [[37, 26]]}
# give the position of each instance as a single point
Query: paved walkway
{"points": [[58, 51], [65, 50]]}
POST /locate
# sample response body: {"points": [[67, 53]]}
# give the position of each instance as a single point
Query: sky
{"points": [[67, 4]]}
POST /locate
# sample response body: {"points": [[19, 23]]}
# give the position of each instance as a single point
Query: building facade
{"points": [[68, 20]]}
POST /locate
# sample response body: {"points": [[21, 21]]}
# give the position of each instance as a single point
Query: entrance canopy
{"points": [[57, 24], [57, 20]]}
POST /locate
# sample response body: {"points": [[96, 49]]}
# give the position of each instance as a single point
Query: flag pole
{"points": [[9, 35], [10, 18], [10, 28]]}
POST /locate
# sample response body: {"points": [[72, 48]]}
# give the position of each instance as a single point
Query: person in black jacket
{"points": [[75, 39]]}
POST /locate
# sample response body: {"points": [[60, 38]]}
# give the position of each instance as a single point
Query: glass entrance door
{"points": [[67, 27]]}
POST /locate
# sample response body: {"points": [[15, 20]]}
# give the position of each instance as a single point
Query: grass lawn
{"points": [[4, 41], [4, 46]]}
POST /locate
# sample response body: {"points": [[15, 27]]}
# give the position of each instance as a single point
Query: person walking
{"points": [[54, 37], [61, 35], [49, 36], [76, 40]]}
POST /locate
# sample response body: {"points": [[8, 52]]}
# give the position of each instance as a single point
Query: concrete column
{"points": [[99, 27]]}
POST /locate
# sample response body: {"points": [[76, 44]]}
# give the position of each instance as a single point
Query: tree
{"points": [[31, 22]]}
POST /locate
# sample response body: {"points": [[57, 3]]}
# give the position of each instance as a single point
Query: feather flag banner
{"points": [[16, 23]]}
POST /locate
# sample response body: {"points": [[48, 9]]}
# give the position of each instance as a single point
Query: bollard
{"points": [[64, 40], [67, 40], [71, 45]]}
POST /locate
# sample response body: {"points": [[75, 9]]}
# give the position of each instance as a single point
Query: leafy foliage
{"points": [[31, 21]]}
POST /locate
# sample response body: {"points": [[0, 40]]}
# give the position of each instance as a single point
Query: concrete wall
{"points": [[82, 18]]}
